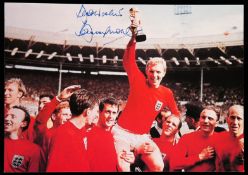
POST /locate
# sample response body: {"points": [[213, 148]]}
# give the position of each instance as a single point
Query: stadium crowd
{"points": [[117, 86]]}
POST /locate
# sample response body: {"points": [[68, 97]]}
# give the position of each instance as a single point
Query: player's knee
{"points": [[157, 166], [123, 166]]}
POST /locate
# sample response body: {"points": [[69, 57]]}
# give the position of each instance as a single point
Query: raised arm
{"points": [[45, 113], [129, 61], [40, 125], [129, 55]]}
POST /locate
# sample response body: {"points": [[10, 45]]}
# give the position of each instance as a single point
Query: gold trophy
{"points": [[135, 26]]}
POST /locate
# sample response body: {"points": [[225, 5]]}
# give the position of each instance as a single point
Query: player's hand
{"points": [[68, 91], [207, 153], [128, 156], [146, 148], [134, 26]]}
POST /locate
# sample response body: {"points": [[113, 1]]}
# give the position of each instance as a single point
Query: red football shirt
{"points": [[230, 156], [144, 102], [166, 148], [67, 150], [21, 156], [101, 150], [186, 153], [42, 132]]}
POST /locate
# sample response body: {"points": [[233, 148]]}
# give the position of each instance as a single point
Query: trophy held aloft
{"points": [[135, 26]]}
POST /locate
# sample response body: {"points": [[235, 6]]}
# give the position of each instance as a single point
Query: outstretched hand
{"points": [[68, 91]]}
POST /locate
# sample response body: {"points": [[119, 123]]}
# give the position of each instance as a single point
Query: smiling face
{"points": [[62, 116], [14, 121], [170, 126], [12, 94], [235, 120], [155, 73], [208, 120], [108, 116]]}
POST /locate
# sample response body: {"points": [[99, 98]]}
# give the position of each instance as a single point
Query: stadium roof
{"points": [[112, 42]]}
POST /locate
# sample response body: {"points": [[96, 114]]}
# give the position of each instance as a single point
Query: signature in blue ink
{"points": [[86, 29], [83, 12]]}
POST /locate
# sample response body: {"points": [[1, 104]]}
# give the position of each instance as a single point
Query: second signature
{"points": [[86, 29]]}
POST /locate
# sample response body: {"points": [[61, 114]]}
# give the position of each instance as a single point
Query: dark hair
{"points": [[46, 95], [180, 123], [81, 100], [159, 116], [119, 114], [193, 110], [27, 116], [110, 100]]}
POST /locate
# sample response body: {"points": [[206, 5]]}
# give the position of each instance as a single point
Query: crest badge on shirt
{"points": [[17, 161], [158, 105]]}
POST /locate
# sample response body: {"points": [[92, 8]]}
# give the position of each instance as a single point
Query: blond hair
{"points": [[60, 106], [19, 82], [156, 60]]}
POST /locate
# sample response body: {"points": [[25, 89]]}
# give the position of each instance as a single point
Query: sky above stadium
{"points": [[158, 21]]}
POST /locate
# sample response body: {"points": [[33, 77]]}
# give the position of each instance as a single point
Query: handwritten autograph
{"points": [[83, 12], [86, 29]]}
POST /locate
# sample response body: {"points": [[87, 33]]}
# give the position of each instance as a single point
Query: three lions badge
{"points": [[158, 105], [17, 161]]}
